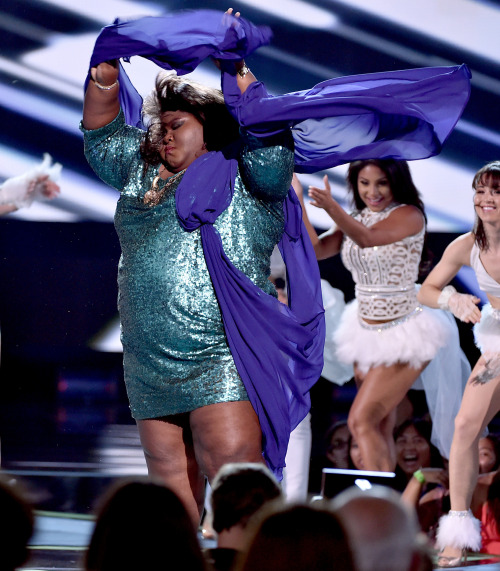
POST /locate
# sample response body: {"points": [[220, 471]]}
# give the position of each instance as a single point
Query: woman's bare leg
{"points": [[168, 448], [373, 412], [225, 432], [480, 403]]}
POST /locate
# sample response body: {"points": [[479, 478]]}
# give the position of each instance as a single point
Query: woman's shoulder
{"points": [[464, 243], [406, 211], [460, 249], [408, 215]]}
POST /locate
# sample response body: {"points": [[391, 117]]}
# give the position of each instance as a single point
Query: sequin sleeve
{"points": [[113, 151], [266, 165]]}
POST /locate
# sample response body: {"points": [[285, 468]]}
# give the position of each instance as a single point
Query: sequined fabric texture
{"points": [[176, 356]]}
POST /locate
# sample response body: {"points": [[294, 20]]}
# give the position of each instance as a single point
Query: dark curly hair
{"points": [[487, 175], [174, 93]]}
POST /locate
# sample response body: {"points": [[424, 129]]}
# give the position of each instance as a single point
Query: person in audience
{"points": [[489, 453], [239, 491], [459, 530], [143, 525], [421, 472], [418, 460], [382, 530], [490, 519], [300, 537], [18, 526], [337, 445]]}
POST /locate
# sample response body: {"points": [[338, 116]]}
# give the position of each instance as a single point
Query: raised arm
{"points": [[326, 245], [404, 221], [434, 292], [101, 104]]}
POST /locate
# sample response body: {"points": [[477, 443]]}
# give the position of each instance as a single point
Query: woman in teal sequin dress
{"points": [[185, 393]]}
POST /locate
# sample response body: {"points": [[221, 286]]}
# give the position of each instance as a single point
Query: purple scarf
{"points": [[405, 115]]}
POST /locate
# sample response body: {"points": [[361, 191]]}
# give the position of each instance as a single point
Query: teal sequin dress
{"points": [[176, 356]]}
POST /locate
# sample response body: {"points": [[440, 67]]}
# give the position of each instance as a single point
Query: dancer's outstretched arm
{"points": [[433, 291]]}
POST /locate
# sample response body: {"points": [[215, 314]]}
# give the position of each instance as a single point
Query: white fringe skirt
{"points": [[427, 335], [487, 331]]}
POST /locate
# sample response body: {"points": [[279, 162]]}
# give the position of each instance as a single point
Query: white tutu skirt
{"points": [[415, 339], [430, 335], [487, 331]]}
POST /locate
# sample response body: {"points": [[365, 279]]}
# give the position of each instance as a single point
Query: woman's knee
{"points": [[223, 433], [235, 447], [467, 428], [362, 420], [165, 447]]}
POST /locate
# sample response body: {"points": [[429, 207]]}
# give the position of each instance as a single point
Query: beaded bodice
{"points": [[385, 276]]}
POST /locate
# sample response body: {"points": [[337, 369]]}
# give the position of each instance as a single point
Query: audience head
{"points": [[337, 445], [298, 538], [489, 453], [143, 525], [382, 530], [18, 526], [413, 447], [239, 490], [398, 175]]}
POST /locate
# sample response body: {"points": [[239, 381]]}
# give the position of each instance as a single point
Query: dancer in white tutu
{"points": [[385, 333], [479, 249]]}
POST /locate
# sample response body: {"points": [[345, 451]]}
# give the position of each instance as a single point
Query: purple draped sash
{"points": [[405, 115], [278, 350]]}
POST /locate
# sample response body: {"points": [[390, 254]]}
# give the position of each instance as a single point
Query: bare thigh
{"points": [[168, 449], [225, 432], [380, 391]]}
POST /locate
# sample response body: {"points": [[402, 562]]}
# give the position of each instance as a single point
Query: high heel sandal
{"points": [[459, 530], [452, 561]]}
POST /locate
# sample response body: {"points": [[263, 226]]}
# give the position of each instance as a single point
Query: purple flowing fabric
{"points": [[406, 115]]}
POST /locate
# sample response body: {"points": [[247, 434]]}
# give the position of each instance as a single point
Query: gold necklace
{"points": [[153, 196]]}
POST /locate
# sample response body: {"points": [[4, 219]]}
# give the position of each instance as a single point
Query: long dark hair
{"points": [[488, 174], [403, 190], [174, 93]]}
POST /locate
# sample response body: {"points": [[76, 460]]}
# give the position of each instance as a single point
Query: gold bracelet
{"points": [[105, 87], [243, 70]]}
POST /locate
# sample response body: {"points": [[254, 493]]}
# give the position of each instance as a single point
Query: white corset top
{"points": [[385, 276]]}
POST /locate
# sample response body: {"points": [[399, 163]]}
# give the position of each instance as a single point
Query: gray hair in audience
{"points": [[382, 530]]}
